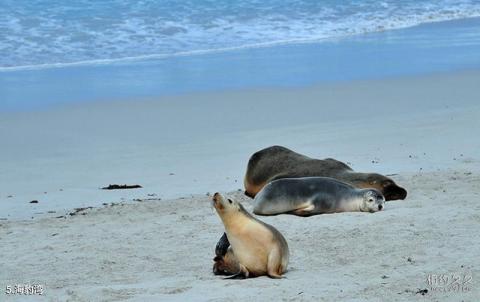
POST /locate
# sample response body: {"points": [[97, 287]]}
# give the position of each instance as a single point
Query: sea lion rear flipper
{"points": [[222, 245], [274, 269], [242, 274], [239, 275]]}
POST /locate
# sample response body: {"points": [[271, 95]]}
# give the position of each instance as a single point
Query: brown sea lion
{"points": [[278, 162], [258, 247]]}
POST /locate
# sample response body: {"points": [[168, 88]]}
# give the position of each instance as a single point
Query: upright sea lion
{"points": [[258, 247], [308, 196], [278, 162]]}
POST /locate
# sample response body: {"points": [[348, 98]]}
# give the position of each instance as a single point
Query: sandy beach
{"points": [[157, 243], [162, 250]]}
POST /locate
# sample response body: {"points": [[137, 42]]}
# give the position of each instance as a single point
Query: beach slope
{"points": [[157, 243]]}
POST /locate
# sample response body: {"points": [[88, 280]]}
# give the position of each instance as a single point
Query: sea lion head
{"points": [[225, 205], [385, 185], [220, 267], [373, 201], [226, 265]]}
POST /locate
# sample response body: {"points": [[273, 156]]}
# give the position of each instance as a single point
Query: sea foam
{"points": [[54, 33]]}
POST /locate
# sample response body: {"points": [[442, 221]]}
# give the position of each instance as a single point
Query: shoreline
{"points": [[201, 52], [425, 49]]}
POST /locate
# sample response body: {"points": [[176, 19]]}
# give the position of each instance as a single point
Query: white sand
{"points": [[422, 129]]}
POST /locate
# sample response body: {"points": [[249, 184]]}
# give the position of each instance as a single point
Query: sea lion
{"points": [[226, 263], [259, 248], [278, 162], [308, 196]]}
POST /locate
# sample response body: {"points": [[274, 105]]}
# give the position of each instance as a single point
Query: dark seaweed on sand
{"points": [[121, 187]]}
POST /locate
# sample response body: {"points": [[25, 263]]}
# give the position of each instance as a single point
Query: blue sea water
{"points": [[56, 51], [43, 32]]}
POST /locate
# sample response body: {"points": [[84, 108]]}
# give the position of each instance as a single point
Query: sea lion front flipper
{"points": [[305, 210], [222, 245]]}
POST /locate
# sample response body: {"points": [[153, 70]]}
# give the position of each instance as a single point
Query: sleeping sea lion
{"points": [[308, 196], [278, 162]]}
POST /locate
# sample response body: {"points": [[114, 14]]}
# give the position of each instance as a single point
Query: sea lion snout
{"points": [[380, 207], [394, 192], [221, 203], [217, 201]]}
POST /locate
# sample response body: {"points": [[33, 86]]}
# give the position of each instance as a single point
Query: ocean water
{"points": [[53, 33], [58, 52]]}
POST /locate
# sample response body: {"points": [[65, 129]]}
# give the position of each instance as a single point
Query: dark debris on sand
{"points": [[79, 211], [423, 292], [121, 187]]}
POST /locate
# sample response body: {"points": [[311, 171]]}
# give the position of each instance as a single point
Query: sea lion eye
{"points": [[229, 200], [370, 200]]}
